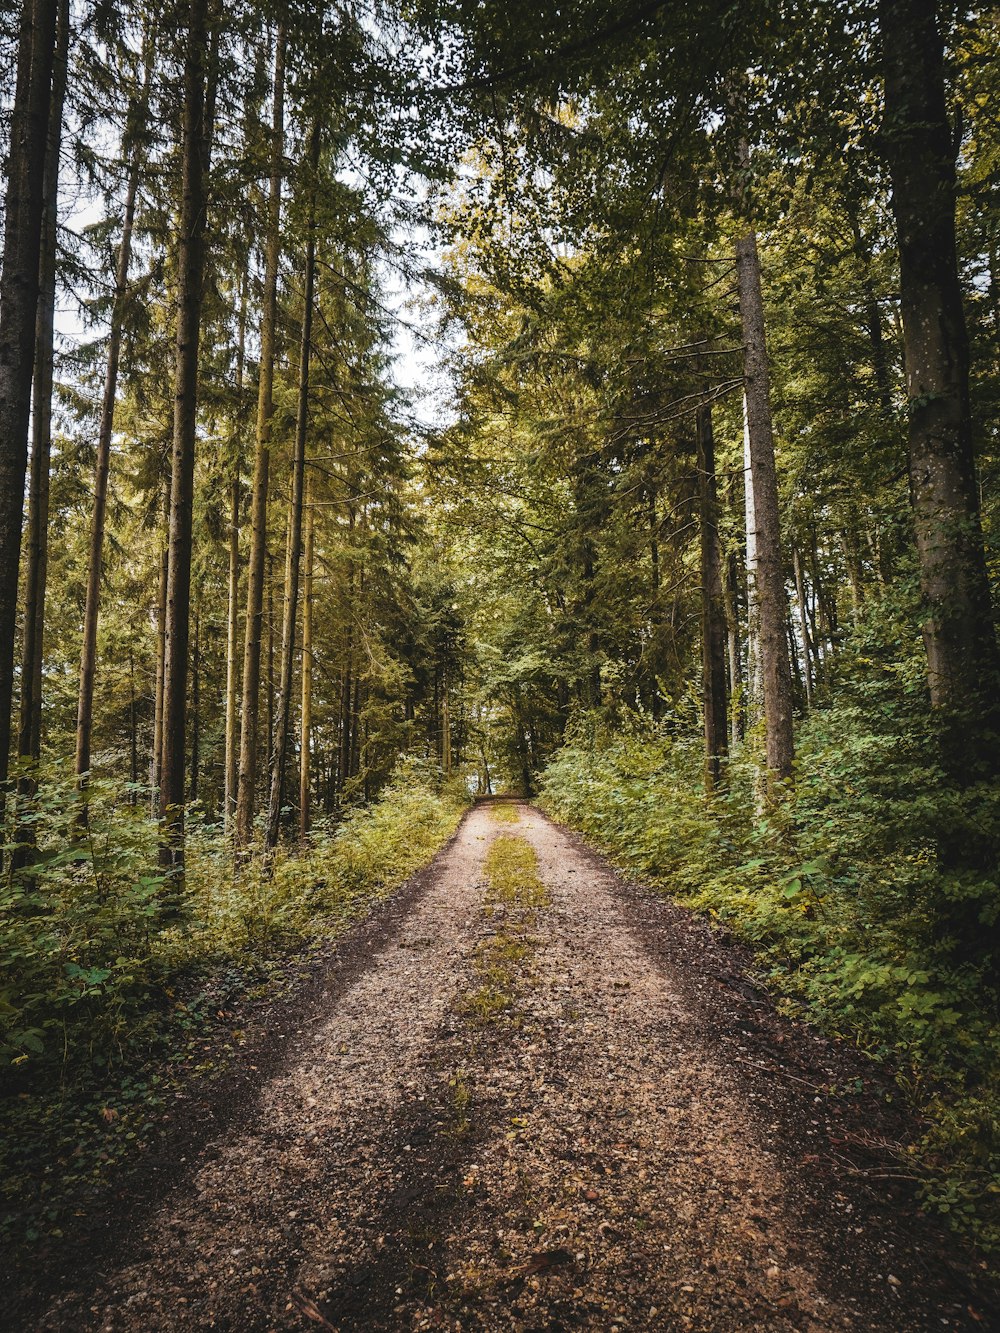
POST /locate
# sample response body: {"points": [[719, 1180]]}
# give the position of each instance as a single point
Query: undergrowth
{"points": [[857, 915], [106, 998], [514, 896]]}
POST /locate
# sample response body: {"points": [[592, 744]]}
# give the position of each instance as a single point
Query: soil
{"points": [[638, 1140]]}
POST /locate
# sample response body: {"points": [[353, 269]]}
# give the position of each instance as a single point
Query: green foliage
{"points": [[850, 893], [514, 895], [98, 984]]}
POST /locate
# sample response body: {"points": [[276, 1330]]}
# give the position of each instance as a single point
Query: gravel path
{"points": [[624, 1147]]}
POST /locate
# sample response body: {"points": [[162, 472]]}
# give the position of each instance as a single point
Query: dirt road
{"points": [[637, 1141]]}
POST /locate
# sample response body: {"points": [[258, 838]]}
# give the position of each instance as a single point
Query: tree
{"points": [[191, 260], [293, 562], [136, 118], [250, 694], [30, 723], [18, 312], [919, 146]]}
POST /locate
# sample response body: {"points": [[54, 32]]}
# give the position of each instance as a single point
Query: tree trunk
{"points": [[88, 653], [191, 262], [445, 728], [29, 741], [730, 590], [753, 695], [250, 701], [231, 761], [133, 730], [294, 556], [918, 143], [770, 580], [305, 749], [800, 596], [713, 613], [156, 763], [195, 707], [29, 129]]}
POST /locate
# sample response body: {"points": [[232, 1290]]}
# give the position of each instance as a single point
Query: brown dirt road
{"points": [[638, 1142]]}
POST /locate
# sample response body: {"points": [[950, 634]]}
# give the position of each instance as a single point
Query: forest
{"points": [[405, 404]]}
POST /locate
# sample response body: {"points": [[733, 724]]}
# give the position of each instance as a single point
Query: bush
{"points": [[858, 911], [101, 976]]}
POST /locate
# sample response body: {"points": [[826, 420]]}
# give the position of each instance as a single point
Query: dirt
{"points": [[638, 1141]]}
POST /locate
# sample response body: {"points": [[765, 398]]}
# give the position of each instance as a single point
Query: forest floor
{"points": [[611, 1128]]}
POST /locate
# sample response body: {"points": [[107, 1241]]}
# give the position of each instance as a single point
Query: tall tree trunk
{"points": [[753, 695], [959, 633], [294, 557], [770, 581], [445, 727], [730, 590], [29, 129], [800, 596], [191, 263], [713, 613], [156, 762], [29, 740], [133, 730], [195, 707], [305, 749], [250, 699], [231, 762], [88, 653]]}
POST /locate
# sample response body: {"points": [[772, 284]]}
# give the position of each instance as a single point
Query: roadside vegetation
{"points": [[109, 999], [840, 889]]}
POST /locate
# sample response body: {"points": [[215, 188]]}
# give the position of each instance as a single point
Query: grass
{"points": [[515, 894], [106, 1009]]}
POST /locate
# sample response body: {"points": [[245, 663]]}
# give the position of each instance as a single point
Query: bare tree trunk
{"points": [[753, 699], [195, 705], [770, 580], [29, 741], [445, 728], [29, 129], [156, 762], [959, 633], [730, 589], [294, 555], [231, 775], [305, 750], [800, 595], [88, 653], [191, 263], [713, 616], [250, 702], [133, 730]]}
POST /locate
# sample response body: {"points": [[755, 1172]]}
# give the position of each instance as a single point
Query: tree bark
{"points": [[305, 749], [231, 771], [195, 706], [713, 612], [770, 580], [29, 128], [191, 262], [917, 140], [294, 556], [807, 652], [102, 466], [156, 761], [730, 591], [250, 701], [29, 739]]}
